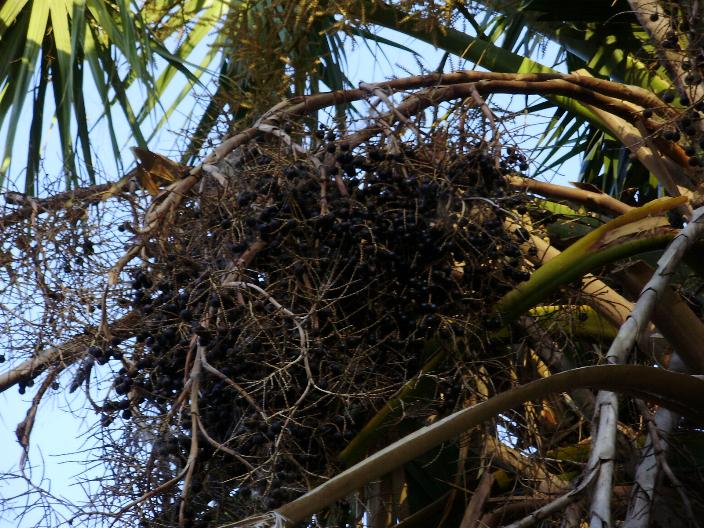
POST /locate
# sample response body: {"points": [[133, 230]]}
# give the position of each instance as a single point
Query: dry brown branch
{"points": [[376, 90], [509, 511], [67, 199], [66, 354], [24, 429], [593, 200], [193, 452], [431, 97], [477, 503], [602, 95], [668, 172], [207, 366], [528, 467]]}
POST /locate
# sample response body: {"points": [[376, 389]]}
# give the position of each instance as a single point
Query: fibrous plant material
{"points": [[311, 290], [305, 297]]}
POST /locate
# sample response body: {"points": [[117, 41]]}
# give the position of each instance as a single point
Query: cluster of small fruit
{"points": [[683, 39], [391, 251]]}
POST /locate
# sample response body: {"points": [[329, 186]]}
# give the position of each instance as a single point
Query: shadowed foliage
{"points": [[359, 305]]}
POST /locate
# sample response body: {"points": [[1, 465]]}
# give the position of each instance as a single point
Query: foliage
{"points": [[270, 50], [320, 287]]}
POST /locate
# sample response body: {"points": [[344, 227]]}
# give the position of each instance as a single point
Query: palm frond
{"points": [[47, 46]]}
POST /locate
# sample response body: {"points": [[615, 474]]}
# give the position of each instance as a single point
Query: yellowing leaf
{"points": [[640, 227], [155, 171]]}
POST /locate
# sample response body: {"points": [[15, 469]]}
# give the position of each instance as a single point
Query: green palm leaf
{"points": [[47, 45]]}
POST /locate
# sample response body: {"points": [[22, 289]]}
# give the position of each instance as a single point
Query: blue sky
{"points": [[63, 423]]}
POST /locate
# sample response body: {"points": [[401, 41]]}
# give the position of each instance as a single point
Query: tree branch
{"points": [[679, 391], [62, 356]]}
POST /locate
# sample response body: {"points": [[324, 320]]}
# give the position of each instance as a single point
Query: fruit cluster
{"points": [[314, 296]]}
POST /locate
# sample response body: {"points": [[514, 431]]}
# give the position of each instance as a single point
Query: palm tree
{"points": [[292, 313]]}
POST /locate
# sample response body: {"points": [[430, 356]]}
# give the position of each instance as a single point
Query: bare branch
{"points": [[64, 355]]}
